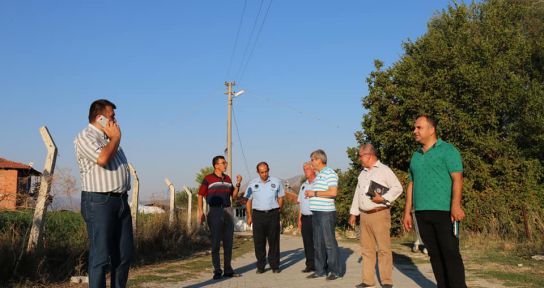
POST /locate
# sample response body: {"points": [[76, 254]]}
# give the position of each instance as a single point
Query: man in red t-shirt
{"points": [[217, 188]]}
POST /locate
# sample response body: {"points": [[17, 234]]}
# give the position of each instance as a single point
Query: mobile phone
{"points": [[103, 120], [455, 227]]}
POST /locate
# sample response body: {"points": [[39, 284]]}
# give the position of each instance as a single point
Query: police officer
{"points": [[265, 199], [305, 217]]}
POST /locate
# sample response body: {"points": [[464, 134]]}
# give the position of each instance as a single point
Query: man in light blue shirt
{"points": [[305, 217], [326, 254], [265, 199]]}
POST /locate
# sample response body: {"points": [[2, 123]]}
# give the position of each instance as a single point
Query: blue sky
{"points": [[163, 63]]}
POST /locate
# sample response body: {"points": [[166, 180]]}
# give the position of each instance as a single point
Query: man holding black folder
{"points": [[377, 188]]}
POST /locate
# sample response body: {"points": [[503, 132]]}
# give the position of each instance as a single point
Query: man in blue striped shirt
{"points": [[322, 195], [105, 181]]}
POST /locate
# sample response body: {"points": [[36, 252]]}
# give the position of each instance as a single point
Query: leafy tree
{"points": [[479, 69], [203, 173], [181, 196]]}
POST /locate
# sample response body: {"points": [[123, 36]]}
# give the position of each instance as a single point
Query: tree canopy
{"points": [[479, 70]]}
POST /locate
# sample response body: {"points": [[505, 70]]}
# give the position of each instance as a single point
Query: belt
{"points": [[266, 211], [111, 194], [375, 210], [220, 206]]}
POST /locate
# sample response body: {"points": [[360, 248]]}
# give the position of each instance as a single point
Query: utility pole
{"points": [[230, 94]]}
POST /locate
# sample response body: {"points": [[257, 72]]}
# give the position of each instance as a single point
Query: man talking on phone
{"points": [[105, 181]]}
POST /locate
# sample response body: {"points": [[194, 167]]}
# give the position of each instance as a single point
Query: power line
{"points": [[236, 39], [255, 42], [285, 105], [240, 141], [250, 38]]}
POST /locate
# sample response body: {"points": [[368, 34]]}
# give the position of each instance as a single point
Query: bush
{"points": [[65, 245]]}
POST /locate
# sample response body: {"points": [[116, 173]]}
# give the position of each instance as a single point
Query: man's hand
{"points": [[351, 220], [112, 130], [457, 213], [238, 179], [378, 199], [249, 220], [200, 217], [407, 221], [309, 193]]}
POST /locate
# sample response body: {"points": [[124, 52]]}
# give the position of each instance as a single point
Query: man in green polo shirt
{"points": [[436, 183]]}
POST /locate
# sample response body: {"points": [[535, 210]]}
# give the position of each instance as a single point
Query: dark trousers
{"points": [[221, 223], [436, 231], [326, 254], [109, 228], [266, 228], [308, 240]]}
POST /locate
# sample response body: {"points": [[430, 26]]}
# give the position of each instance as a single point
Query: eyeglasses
{"points": [[365, 154]]}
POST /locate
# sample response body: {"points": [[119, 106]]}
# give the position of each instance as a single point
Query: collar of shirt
{"points": [[98, 131], [267, 180], [438, 143], [376, 165]]}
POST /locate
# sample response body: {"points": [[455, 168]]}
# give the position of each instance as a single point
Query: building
{"points": [[17, 181]]}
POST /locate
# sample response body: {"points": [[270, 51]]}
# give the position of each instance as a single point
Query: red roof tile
{"points": [[7, 164]]}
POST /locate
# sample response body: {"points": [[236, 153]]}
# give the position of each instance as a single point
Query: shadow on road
{"points": [[287, 259], [406, 266], [344, 255]]}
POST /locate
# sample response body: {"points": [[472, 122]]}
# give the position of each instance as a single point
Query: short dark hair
{"points": [[433, 122], [98, 107], [263, 163], [216, 159]]}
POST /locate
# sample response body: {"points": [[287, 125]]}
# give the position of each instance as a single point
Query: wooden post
{"points": [[45, 187], [135, 197], [189, 207], [172, 200]]}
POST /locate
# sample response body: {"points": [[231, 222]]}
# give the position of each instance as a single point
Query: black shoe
{"points": [[216, 276], [260, 271], [231, 274], [307, 270], [276, 270], [333, 276], [363, 285], [314, 275]]}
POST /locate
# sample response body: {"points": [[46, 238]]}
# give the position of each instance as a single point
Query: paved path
{"points": [[405, 274]]}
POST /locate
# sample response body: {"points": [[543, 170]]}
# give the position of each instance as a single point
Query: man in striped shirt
{"points": [[105, 181], [323, 209]]}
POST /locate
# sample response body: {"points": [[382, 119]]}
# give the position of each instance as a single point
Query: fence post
{"points": [[189, 207], [135, 197], [172, 200], [45, 187]]}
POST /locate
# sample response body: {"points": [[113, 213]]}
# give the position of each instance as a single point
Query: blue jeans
{"points": [[325, 246], [109, 228]]}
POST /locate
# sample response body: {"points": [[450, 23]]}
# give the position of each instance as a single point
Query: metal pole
{"points": [[229, 126], [172, 199], [41, 206], [135, 197], [189, 207]]}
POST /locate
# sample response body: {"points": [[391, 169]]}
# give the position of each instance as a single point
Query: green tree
{"points": [[181, 196], [479, 69], [203, 173]]}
